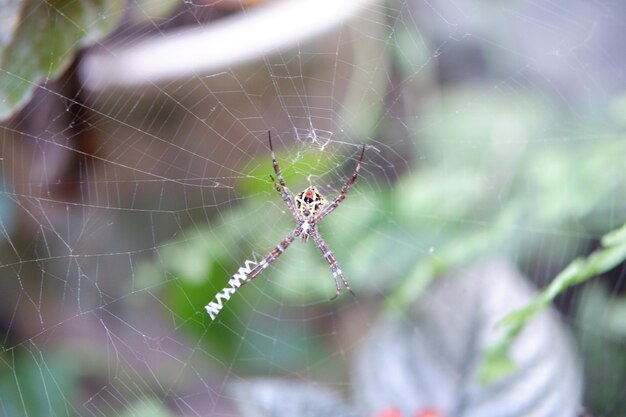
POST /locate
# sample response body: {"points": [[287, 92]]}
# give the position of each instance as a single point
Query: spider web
{"points": [[126, 206]]}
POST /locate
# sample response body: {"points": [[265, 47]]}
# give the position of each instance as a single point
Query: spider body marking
{"points": [[308, 208], [309, 203]]}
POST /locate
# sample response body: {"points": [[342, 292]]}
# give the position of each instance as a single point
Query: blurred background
{"points": [[134, 182]]}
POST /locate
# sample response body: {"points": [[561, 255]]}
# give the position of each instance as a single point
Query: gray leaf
{"points": [[430, 360], [283, 398]]}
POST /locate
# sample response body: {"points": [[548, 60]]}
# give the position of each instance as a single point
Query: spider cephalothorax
{"points": [[308, 208]]}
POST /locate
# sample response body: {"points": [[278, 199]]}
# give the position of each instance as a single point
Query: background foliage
{"points": [[533, 176]]}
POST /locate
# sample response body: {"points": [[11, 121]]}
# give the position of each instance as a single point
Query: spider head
{"points": [[310, 202]]}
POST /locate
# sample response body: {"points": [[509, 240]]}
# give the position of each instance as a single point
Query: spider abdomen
{"points": [[310, 202]]}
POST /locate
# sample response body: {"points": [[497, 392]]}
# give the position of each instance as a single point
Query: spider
{"points": [[308, 208]]}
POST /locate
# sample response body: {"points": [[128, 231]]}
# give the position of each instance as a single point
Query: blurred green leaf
{"points": [[615, 238], [147, 407], [604, 348], [580, 270], [450, 255], [34, 384], [460, 193], [291, 162], [44, 41], [7, 212], [486, 131], [615, 319], [617, 109], [500, 364], [410, 51]]}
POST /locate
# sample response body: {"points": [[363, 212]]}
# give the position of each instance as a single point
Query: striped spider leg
{"points": [[275, 253], [282, 190], [344, 190], [334, 265], [308, 208]]}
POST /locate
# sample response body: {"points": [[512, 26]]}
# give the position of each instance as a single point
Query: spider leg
{"points": [[330, 258], [344, 190], [273, 255], [286, 196], [282, 190], [276, 167]]}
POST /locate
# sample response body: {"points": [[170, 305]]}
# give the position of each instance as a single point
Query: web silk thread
{"points": [[215, 306]]}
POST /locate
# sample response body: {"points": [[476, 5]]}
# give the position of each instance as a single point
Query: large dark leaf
{"points": [[42, 40]]}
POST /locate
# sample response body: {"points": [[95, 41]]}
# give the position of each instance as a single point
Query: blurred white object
{"points": [[243, 37]]}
